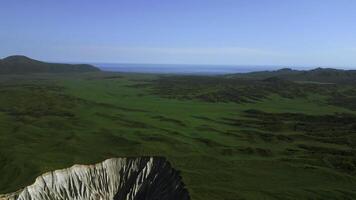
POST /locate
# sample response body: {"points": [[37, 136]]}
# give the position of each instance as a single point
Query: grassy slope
{"points": [[321, 75], [54, 123]]}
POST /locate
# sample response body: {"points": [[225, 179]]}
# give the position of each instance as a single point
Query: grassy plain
{"points": [[262, 144]]}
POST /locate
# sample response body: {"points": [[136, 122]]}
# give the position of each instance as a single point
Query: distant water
{"points": [[182, 69]]}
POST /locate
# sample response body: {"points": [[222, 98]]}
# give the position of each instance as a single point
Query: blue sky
{"points": [[241, 32]]}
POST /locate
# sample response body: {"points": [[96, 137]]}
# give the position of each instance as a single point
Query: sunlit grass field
{"points": [[273, 147]]}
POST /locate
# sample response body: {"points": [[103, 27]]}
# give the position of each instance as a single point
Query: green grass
{"points": [[53, 121]]}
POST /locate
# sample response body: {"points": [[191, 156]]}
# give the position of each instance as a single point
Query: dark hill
{"points": [[321, 75], [24, 65]]}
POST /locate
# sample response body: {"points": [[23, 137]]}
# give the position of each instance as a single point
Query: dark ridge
{"points": [[321, 75], [18, 58], [23, 65]]}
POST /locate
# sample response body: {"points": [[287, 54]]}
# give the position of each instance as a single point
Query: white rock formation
{"points": [[113, 179]]}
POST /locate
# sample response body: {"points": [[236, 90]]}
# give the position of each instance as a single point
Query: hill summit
{"points": [[19, 64], [321, 75]]}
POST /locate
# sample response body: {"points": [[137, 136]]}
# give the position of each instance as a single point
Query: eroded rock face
{"points": [[148, 178]]}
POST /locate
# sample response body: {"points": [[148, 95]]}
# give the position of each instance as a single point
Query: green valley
{"points": [[231, 138]]}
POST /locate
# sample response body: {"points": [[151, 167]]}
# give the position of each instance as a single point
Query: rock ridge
{"points": [[139, 178]]}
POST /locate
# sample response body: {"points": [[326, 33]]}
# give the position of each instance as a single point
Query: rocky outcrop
{"points": [[148, 178]]}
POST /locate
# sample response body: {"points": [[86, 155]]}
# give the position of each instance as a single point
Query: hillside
{"points": [[24, 65], [229, 138], [322, 75]]}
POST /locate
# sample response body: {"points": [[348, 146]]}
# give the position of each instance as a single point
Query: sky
{"points": [[229, 32]]}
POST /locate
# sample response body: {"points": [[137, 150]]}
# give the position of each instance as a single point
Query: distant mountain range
{"points": [[25, 65], [320, 75]]}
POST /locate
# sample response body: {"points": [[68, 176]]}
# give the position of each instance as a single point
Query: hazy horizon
{"points": [[196, 68], [189, 68]]}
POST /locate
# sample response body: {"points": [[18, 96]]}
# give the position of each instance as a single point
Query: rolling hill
{"points": [[321, 75], [25, 65]]}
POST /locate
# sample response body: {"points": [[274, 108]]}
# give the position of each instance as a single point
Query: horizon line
{"points": [[311, 66]]}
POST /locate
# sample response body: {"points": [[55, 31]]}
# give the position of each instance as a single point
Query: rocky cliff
{"points": [[148, 178]]}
